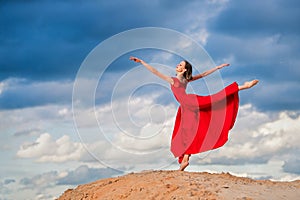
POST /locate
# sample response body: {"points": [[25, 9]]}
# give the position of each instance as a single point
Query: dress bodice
{"points": [[178, 89]]}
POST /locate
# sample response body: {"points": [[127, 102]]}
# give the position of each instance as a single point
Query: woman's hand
{"points": [[153, 70], [223, 65], [135, 59]]}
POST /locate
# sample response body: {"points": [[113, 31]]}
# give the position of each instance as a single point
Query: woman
{"points": [[202, 122]]}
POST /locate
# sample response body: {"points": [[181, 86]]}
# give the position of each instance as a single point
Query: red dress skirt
{"points": [[202, 122]]}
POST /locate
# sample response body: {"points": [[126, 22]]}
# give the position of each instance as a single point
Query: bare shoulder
{"points": [[170, 80]]}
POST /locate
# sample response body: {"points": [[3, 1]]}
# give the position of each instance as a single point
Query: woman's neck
{"points": [[180, 78]]}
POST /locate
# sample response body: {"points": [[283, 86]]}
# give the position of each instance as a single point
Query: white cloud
{"points": [[2, 87], [42, 116], [257, 137], [19, 125], [64, 112], [140, 129], [46, 149], [144, 129], [200, 36], [198, 22]]}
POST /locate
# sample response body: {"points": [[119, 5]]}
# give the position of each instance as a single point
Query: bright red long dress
{"points": [[202, 122]]}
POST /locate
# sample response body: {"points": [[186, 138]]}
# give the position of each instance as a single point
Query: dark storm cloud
{"points": [[260, 33], [252, 18], [40, 39], [292, 166], [81, 175], [27, 132], [8, 181], [22, 94], [44, 180], [263, 39], [50, 39], [44, 41]]}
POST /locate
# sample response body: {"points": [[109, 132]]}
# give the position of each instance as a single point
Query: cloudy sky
{"points": [[59, 129]]}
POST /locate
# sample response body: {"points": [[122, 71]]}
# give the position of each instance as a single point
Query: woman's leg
{"points": [[185, 162], [206, 101], [203, 102]]}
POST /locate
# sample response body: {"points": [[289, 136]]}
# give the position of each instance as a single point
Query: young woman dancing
{"points": [[202, 122]]}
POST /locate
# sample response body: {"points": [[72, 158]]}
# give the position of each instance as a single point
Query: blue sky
{"points": [[43, 45]]}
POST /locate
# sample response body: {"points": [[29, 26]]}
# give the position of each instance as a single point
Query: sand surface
{"points": [[177, 185]]}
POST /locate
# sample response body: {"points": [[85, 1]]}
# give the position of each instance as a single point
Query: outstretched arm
{"points": [[153, 70], [208, 72]]}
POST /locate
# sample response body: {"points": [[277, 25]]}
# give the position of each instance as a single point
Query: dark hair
{"points": [[188, 74]]}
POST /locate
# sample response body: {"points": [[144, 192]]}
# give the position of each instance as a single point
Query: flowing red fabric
{"points": [[202, 122]]}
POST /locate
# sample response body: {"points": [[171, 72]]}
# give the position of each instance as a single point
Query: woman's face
{"points": [[180, 67]]}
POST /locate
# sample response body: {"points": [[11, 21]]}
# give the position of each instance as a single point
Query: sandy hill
{"points": [[177, 185]]}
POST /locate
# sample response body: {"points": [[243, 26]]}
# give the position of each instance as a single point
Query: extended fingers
{"points": [[134, 59]]}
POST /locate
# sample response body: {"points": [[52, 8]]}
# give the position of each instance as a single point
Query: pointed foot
{"points": [[183, 166], [249, 84]]}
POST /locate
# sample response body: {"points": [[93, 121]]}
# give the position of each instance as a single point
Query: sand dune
{"points": [[177, 185]]}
